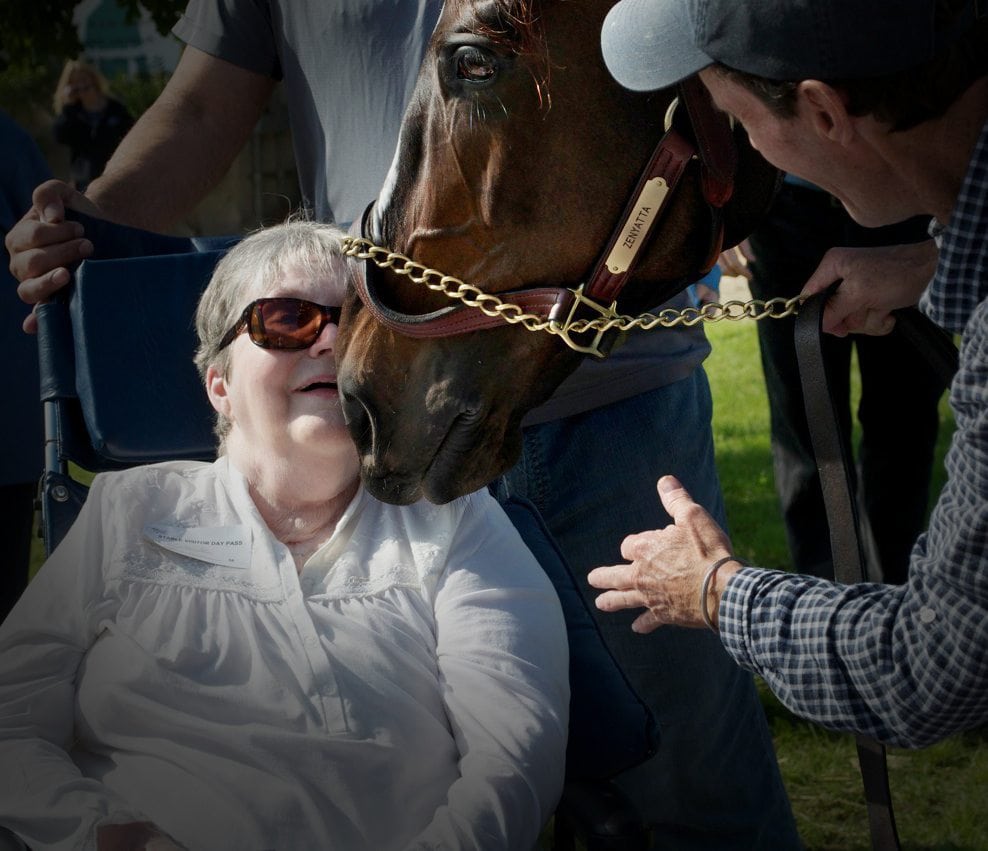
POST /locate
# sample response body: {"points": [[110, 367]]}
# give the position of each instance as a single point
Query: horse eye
{"points": [[474, 65]]}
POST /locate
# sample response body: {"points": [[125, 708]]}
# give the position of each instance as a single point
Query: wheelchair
{"points": [[127, 322]]}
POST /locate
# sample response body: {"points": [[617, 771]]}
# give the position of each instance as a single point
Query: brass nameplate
{"points": [[632, 234]]}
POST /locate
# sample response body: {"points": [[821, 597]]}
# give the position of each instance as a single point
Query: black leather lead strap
{"points": [[828, 446], [834, 467], [833, 464]]}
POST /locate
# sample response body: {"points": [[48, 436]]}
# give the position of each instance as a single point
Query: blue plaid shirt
{"points": [[907, 665]]}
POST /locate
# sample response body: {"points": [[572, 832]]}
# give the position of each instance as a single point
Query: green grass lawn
{"points": [[940, 794]]}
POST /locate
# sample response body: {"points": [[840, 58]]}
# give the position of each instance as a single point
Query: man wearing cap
{"points": [[885, 105]]}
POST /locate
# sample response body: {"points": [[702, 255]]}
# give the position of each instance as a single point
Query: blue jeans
{"points": [[714, 782]]}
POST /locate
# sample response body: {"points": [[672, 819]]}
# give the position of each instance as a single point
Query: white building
{"points": [[118, 46]]}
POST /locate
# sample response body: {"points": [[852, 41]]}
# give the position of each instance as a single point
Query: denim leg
{"points": [[714, 782]]}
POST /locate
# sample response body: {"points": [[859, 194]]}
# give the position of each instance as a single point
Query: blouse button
{"points": [[927, 615]]}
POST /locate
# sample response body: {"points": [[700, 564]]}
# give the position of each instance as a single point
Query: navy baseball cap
{"points": [[652, 44]]}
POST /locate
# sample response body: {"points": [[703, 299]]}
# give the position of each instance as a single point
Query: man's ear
{"points": [[217, 391], [825, 109]]}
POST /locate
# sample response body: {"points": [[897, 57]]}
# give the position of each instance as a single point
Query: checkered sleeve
{"points": [[907, 665], [900, 664]]}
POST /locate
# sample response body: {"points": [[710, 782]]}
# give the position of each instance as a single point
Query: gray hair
{"points": [[249, 271]]}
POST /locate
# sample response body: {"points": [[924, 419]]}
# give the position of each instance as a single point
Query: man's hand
{"points": [[42, 245], [875, 281], [667, 566]]}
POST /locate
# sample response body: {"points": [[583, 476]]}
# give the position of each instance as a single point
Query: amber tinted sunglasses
{"points": [[283, 323]]}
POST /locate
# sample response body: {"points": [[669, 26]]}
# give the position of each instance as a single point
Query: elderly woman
{"points": [[255, 653]]}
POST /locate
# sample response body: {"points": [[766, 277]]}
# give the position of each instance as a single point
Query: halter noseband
{"points": [[560, 307]]}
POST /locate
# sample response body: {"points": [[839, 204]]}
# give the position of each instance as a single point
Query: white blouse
{"points": [[168, 664]]}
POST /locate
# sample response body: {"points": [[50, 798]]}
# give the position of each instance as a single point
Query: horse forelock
{"points": [[516, 26], [519, 28]]}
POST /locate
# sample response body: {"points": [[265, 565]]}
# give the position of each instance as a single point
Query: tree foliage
{"points": [[164, 13], [39, 33]]}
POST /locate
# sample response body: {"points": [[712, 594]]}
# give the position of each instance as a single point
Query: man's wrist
{"points": [[712, 588]]}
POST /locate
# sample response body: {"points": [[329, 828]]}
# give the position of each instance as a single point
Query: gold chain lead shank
{"points": [[490, 304]]}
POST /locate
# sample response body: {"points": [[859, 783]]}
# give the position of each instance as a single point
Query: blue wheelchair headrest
{"points": [[141, 396]]}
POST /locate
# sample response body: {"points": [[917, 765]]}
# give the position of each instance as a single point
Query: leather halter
{"points": [[715, 150]]}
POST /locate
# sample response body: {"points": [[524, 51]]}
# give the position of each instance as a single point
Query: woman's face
{"points": [[284, 406], [83, 87]]}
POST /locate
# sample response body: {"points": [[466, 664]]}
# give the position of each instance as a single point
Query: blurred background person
{"points": [[88, 121]]}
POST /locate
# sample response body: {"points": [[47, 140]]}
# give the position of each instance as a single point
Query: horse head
{"points": [[517, 155]]}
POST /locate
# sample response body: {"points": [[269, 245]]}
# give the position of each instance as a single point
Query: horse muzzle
{"points": [[430, 450]]}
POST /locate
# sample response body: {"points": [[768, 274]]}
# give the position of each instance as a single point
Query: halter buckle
{"points": [[579, 302]]}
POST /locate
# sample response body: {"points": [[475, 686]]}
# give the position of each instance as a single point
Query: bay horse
{"points": [[517, 155]]}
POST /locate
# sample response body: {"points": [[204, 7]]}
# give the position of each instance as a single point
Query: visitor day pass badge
{"points": [[225, 545]]}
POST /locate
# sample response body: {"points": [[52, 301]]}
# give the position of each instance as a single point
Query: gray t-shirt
{"points": [[349, 68]]}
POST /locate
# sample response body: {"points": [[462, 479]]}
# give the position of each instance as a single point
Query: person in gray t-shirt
{"points": [[347, 69]]}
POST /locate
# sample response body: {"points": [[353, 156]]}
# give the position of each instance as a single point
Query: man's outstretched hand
{"points": [[667, 566]]}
